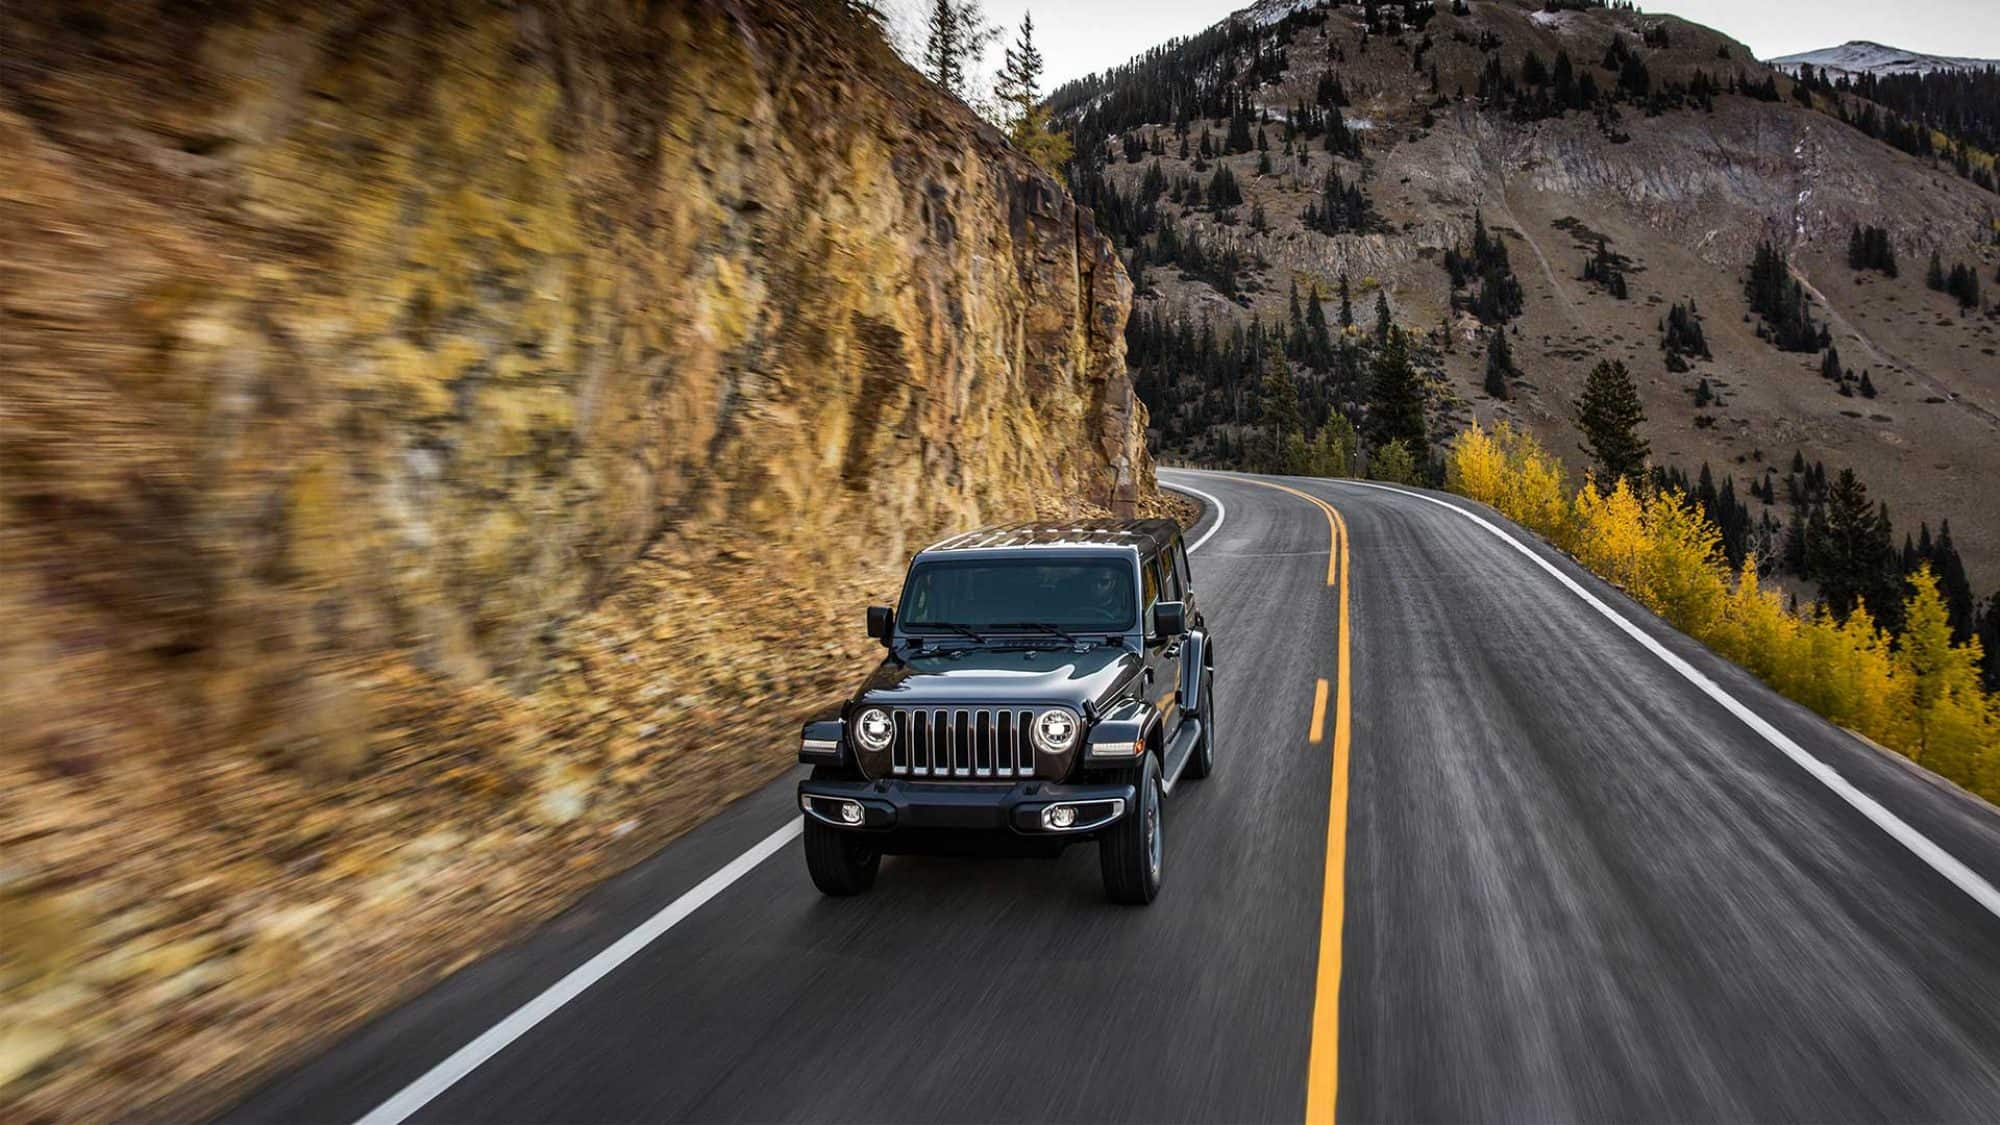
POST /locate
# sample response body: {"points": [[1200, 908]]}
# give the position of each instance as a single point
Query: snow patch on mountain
{"points": [[1264, 13], [1863, 57]]}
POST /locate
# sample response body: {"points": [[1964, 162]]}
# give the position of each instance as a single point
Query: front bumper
{"points": [[893, 804]]}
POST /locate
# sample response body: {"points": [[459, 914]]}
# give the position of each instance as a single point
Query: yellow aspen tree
{"points": [[1611, 537], [1759, 634], [1477, 469], [1536, 488], [1684, 565], [1943, 706], [1919, 696]]}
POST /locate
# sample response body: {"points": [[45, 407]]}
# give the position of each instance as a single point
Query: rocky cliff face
{"points": [[438, 442]]}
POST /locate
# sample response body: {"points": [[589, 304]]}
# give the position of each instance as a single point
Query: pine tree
{"points": [[1346, 303], [1019, 90], [1019, 84], [1610, 415], [1238, 136], [1682, 338], [1851, 558], [1989, 641], [1278, 408], [1602, 268], [1222, 189], [1382, 321], [1963, 285], [1953, 584], [1341, 207], [1498, 297], [944, 48], [1319, 343], [1499, 363], [1781, 300], [1397, 410], [1934, 276]]}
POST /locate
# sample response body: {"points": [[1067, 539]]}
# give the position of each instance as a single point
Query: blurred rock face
{"points": [[357, 350], [395, 327]]}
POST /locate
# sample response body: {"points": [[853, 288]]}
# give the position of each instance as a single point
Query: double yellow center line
{"points": [[1323, 1061]]}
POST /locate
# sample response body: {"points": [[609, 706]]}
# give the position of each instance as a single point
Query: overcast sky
{"points": [[1078, 37]]}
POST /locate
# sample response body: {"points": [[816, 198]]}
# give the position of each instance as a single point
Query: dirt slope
{"points": [[1686, 195]]}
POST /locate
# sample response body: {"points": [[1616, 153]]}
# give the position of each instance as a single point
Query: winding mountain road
{"points": [[1523, 854]]}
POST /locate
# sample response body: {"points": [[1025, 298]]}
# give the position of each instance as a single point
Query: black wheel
{"points": [[1201, 763], [841, 862], [1131, 851]]}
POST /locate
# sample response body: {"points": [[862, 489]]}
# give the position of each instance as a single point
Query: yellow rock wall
{"points": [[436, 439]]}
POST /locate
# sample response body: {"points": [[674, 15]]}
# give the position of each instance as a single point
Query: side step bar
{"points": [[1179, 752]]}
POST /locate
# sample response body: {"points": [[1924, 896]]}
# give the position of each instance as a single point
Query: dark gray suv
{"points": [[1045, 684]]}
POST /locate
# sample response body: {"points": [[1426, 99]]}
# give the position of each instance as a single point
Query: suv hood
{"points": [[972, 675]]}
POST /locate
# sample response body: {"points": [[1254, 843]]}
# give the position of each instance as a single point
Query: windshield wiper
{"points": [[1042, 627], [951, 626]]}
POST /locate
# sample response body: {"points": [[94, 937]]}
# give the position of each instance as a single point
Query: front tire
{"points": [[1132, 851], [841, 862]]}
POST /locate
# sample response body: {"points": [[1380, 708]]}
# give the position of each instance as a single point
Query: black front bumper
{"points": [[894, 804]]}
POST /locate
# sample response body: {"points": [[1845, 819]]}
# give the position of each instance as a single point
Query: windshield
{"points": [[1020, 593]]}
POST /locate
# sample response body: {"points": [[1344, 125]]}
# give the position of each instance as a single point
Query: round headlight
{"points": [[873, 731], [1056, 732]]}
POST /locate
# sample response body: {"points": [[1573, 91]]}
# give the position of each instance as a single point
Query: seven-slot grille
{"points": [[962, 742]]}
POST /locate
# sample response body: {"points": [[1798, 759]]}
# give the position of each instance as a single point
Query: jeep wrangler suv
{"points": [[1044, 685]]}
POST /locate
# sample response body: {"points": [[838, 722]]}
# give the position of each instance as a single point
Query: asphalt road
{"points": [[1571, 884]]}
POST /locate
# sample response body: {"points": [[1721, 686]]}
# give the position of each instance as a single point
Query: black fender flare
{"points": [[1119, 727], [1196, 657], [823, 740]]}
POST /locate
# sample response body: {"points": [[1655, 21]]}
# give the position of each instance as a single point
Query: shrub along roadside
{"points": [[1919, 696]]}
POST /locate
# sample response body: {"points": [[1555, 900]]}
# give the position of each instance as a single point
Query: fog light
{"points": [[1059, 816], [850, 812]]}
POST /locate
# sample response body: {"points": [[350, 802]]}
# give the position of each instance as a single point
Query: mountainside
{"points": [[443, 450], [1622, 165], [1860, 56]]}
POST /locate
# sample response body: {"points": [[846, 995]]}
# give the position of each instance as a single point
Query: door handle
{"points": [[1171, 651]]}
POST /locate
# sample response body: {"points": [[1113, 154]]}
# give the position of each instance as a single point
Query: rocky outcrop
{"points": [[442, 447]]}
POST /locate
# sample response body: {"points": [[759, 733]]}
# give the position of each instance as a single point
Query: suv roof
{"points": [[1149, 536]]}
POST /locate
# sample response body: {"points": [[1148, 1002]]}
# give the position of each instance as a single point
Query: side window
{"points": [[1181, 566], [1170, 580], [1149, 575]]}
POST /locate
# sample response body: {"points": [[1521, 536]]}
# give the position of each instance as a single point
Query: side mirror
{"points": [[881, 623], [1169, 619]]}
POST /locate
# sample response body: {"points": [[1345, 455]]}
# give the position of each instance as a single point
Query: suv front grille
{"points": [[970, 742]]}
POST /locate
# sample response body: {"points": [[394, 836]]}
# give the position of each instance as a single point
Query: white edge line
{"points": [[1221, 512], [1920, 845], [495, 1039]]}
